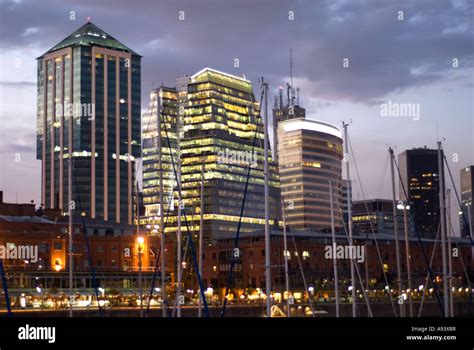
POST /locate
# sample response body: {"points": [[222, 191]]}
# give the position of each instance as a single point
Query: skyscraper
{"points": [[420, 178], [218, 131], [163, 109], [89, 109], [467, 190], [310, 154]]}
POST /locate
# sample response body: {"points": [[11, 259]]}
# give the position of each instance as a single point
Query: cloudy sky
{"points": [[393, 56]]}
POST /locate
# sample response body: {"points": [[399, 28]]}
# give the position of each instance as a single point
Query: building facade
{"points": [[89, 112], [217, 137], [376, 215], [310, 155], [162, 117], [467, 190], [318, 270], [282, 112], [420, 179]]}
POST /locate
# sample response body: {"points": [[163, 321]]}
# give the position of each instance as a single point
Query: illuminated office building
{"points": [[89, 106], [215, 131], [376, 216], [310, 154], [467, 190], [420, 178], [163, 108]]}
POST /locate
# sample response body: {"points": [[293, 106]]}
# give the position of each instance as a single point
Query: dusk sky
{"points": [[402, 61]]}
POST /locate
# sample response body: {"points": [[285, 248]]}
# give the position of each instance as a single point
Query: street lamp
{"points": [[140, 241]]}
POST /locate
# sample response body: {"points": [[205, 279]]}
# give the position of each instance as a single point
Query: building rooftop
{"points": [[207, 69], [89, 34], [328, 236], [312, 125], [30, 219]]}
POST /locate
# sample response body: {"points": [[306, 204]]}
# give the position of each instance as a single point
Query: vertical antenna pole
{"points": [[201, 234], [349, 220], [442, 209]]}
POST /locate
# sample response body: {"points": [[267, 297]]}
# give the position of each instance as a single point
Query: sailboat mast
{"points": [[71, 297], [201, 233], [159, 107], [285, 249], [267, 211], [450, 254], [333, 232], [179, 264], [140, 282], [349, 219], [395, 229], [442, 209], [406, 207]]}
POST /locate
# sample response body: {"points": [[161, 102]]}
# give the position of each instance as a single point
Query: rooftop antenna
{"points": [[297, 96], [280, 92], [291, 68], [292, 91], [288, 88]]}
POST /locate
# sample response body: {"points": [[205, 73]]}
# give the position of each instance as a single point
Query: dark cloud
{"points": [[386, 55]]}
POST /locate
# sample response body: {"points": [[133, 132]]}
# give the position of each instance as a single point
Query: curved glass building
{"points": [[310, 154]]}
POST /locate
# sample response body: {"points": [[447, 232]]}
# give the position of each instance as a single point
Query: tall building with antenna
{"points": [[286, 109]]}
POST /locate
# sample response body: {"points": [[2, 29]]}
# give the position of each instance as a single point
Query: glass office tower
{"points": [[420, 179], [218, 121], [89, 111], [310, 154], [162, 115], [467, 190]]}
